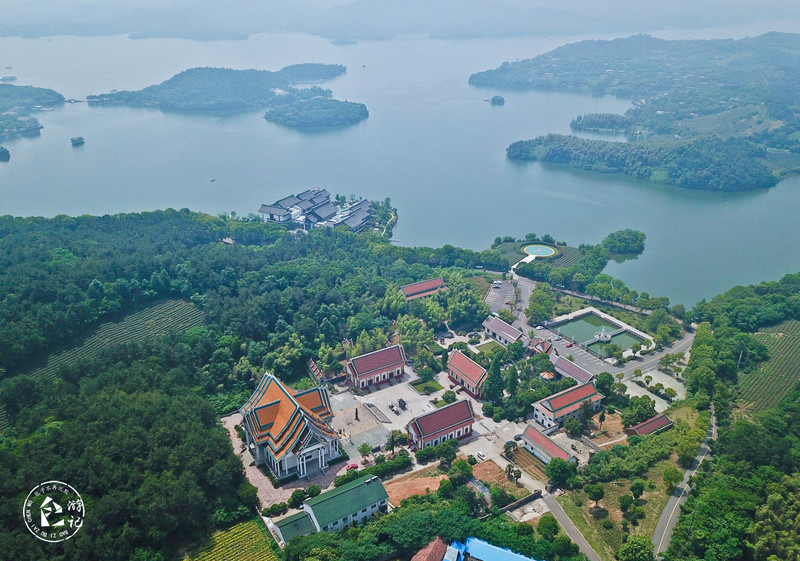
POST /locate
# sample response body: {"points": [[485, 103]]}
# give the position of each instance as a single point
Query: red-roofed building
{"points": [[569, 369], [451, 421], [424, 288], [541, 446], [501, 332], [466, 373], [652, 425], [289, 430], [540, 346], [376, 367], [434, 551], [554, 410]]}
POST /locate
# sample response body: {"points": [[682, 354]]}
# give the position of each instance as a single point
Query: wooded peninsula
{"points": [[707, 114], [225, 89]]}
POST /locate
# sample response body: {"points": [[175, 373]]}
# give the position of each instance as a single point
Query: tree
{"points": [[573, 426], [506, 315], [625, 502], [396, 438], [509, 448], [297, 498], [365, 450], [449, 396], [648, 379], [604, 382], [672, 476], [559, 471], [313, 490], [602, 418], [493, 386], [637, 548], [637, 488], [548, 526], [460, 472], [516, 475], [595, 492], [509, 470], [446, 453]]}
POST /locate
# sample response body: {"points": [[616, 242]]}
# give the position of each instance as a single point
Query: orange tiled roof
{"points": [[278, 416]]}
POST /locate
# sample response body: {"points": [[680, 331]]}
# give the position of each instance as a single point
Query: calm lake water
{"points": [[431, 143]]}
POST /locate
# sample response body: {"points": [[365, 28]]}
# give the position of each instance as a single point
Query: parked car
{"points": [[481, 456], [401, 403], [517, 437], [391, 405], [570, 345], [559, 338], [352, 466], [538, 327]]}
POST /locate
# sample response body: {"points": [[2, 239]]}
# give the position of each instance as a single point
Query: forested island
{"points": [[224, 89], [697, 106], [318, 112], [18, 102]]}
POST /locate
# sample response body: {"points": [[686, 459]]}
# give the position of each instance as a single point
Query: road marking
{"points": [[678, 502]]}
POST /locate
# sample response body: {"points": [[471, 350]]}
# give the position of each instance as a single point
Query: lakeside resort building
{"points": [[467, 373], [313, 209], [288, 430], [376, 367], [451, 421], [554, 410]]}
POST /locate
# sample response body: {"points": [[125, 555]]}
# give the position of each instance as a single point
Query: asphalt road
{"points": [[569, 528], [669, 516]]}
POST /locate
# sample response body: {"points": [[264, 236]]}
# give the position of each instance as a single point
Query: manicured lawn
{"points": [[589, 519], [427, 387], [488, 346]]}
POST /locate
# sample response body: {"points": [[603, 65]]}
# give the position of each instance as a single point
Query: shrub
{"points": [[313, 490], [472, 460], [608, 524], [347, 477], [488, 409], [578, 501], [297, 498], [240, 432], [425, 455]]}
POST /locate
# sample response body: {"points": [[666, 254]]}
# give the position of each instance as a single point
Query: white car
{"points": [[481, 456]]}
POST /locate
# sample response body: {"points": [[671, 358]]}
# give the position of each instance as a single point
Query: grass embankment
{"points": [[590, 519], [768, 384], [248, 541], [147, 323]]}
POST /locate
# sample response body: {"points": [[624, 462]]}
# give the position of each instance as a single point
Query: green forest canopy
{"points": [[209, 89], [682, 92]]}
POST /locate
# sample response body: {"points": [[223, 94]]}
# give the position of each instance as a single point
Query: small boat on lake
{"points": [[77, 141]]}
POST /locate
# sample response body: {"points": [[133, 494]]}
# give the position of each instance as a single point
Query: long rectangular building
{"points": [[544, 448], [451, 421], [376, 367], [554, 410]]}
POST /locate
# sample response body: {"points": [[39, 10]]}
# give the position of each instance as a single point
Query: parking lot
{"points": [[497, 297]]}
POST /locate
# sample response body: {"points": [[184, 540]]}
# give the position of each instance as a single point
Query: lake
{"points": [[432, 144]]}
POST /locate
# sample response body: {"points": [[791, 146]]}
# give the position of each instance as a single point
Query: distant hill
{"points": [[681, 91], [215, 89]]}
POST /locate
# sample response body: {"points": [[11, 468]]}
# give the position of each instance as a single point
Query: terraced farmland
{"points": [[767, 385], [153, 321], [247, 541], [568, 257]]}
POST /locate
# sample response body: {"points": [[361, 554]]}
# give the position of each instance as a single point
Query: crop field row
{"points": [[243, 542], [569, 256], [154, 321], [767, 385]]}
